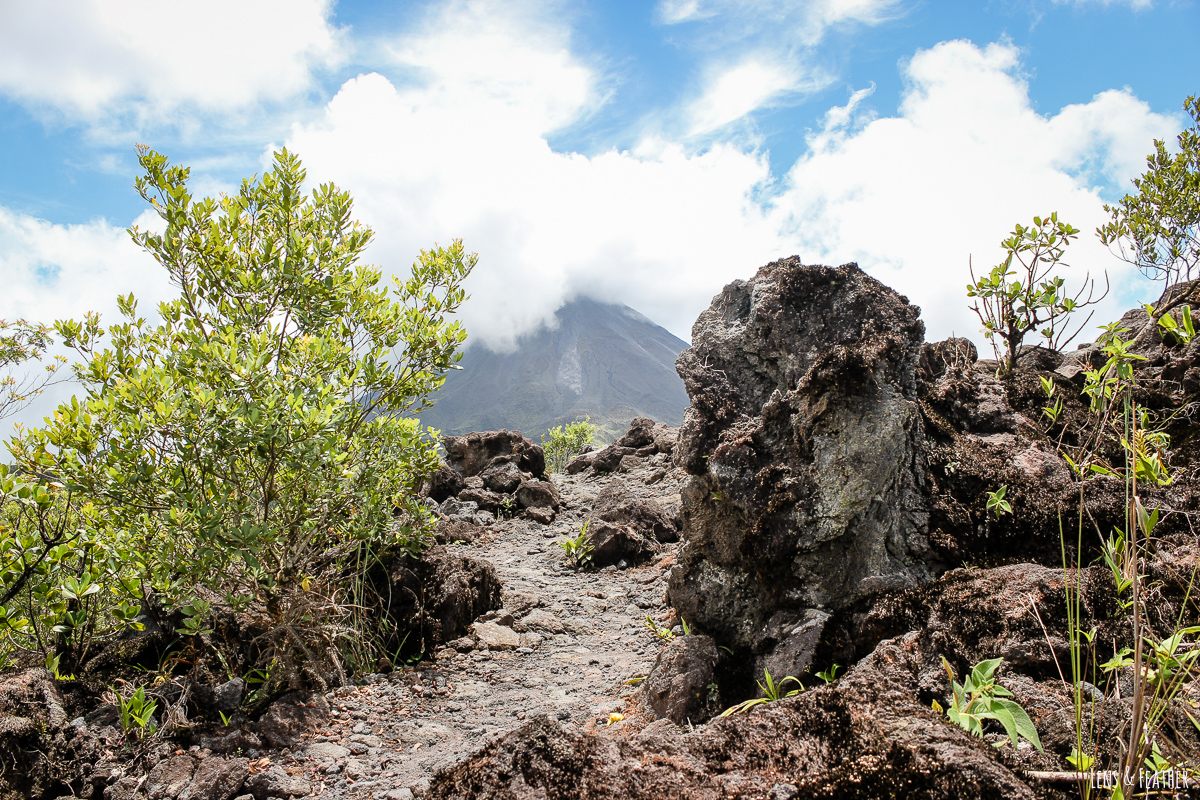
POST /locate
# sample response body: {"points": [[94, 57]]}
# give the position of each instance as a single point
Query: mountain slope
{"points": [[603, 361]]}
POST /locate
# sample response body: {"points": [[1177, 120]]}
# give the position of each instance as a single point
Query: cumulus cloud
{"points": [[89, 58], [911, 197], [64, 271], [463, 153]]}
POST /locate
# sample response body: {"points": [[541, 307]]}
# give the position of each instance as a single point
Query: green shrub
{"points": [[565, 443], [259, 438]]}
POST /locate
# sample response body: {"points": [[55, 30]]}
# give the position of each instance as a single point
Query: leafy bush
{"points": [[566, 443], [1012, 302], [258, 440]]}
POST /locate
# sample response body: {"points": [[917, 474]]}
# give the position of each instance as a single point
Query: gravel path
{"points": [[583, 637]]}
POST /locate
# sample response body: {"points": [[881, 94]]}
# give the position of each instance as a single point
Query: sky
{"points": [[644, 152]]}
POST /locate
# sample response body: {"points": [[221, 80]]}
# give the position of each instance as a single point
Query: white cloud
{"points": [[910, 197], [63, 271], [93, 57], [807, 19], [737, 91]]}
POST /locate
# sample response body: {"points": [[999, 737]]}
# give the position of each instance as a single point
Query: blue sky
{"points": [[641, 152]]}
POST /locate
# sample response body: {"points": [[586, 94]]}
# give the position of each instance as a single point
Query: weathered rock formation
{"points": [[804, 440], [489, 473]]}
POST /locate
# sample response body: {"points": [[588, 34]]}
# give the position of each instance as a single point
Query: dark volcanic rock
{"points": [[472, 454], [538, 494], [617, 503], [41, 755], [612, 543], [865, 736], [677, 687], [805, 443], [441, 594], [645, 437]]}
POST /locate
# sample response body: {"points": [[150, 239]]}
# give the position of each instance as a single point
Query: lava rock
{"points": [[677, 687]]}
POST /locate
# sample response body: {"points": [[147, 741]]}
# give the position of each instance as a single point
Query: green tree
{"points": [[1023, 295], [1157, 228], [260, 438]]}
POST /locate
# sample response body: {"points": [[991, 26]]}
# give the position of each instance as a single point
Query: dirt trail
{"points": [[389, 736]]}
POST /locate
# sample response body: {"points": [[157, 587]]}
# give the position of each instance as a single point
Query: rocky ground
{"points": [[567, 643], [830, 487]]}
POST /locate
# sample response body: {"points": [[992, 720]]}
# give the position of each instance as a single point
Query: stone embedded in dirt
{"points": [[228, 696], [495, 636], [804, 440], [168, 778], [473, 453], [275, 783], [538, 494], [231, 742], [441, 593], [326, 752], [291, 715], [539, 619], [612, 543], [216, 779], [677, 687], [617, 503], [457, 529], [543, 515]]}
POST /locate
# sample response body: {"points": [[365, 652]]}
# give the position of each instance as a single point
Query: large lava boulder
{"points": [[804, 448]]}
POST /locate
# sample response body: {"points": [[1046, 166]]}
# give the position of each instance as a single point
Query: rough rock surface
{"points": [[804, 443], [644, 439]]}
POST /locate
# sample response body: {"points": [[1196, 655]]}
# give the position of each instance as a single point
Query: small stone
{"points": [[399, 794], [228, 696], [277, 783], [358, 748], [497, 637], [326, 752], [362, 727], [354, 769]]}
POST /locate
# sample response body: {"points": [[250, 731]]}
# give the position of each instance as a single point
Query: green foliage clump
{"points": [[1022, 294], [1157, 228], [980, 697], [565, 443], [772, 693], [258, 441], [578, 549]]}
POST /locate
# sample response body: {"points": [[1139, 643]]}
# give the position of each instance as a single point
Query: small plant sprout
{"points": [[980, 697], [996, 504], [137, 713], [772, 692], [1055, 409], [579, 549], [662, 633], [687, 631], [829, 675]]}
